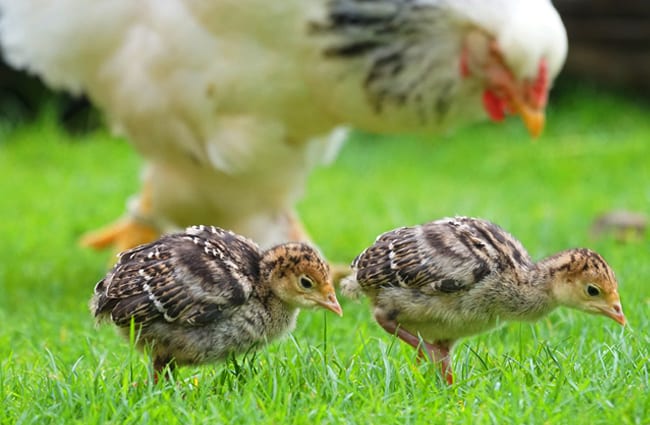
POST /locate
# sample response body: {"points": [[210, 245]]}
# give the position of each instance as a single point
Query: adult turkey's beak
{"points": [[331, 303], [614, 312], [533, 118], [510, 101], [505, 94]]}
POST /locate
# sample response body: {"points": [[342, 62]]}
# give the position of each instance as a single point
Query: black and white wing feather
{"points": [[190, 278], [442, 256]]}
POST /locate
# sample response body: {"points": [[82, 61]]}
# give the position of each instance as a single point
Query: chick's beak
{"points": [[614, 312], [331, 303]]}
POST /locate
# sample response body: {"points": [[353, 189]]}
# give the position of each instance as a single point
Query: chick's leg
{"points": [[159, 365], [126, 232], [438, 352], [441, 352], [393, 328]]}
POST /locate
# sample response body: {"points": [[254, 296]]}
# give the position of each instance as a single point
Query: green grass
{"points": [[57, 367]]}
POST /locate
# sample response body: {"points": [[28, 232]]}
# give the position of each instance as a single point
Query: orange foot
{"points": [[123, 234]]}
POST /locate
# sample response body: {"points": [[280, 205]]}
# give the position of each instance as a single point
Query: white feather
{"points": [[230, 101]]}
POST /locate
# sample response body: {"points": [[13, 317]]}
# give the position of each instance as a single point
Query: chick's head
{"points": [[300, 276], [589, 285]]}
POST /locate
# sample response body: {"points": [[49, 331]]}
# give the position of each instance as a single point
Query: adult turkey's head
{"points": [[430, 64], [515, 50]]}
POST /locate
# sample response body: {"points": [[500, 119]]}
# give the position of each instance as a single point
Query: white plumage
{"points": [[231, 102]]}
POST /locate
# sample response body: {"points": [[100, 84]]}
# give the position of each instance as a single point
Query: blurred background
{"points": [[609, 42]]}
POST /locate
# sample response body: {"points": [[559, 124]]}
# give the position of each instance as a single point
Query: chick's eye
{"points": [[593, 291], [306, 282]]}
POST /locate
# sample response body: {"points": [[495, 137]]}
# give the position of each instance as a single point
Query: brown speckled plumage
{"points": [[201, 295], [461, 276]]}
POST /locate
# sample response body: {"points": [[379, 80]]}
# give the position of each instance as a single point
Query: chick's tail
{"points": [[350, 288]]}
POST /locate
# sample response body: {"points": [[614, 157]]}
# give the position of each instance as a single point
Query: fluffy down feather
{"points": [[206, 293], [435, 283]]}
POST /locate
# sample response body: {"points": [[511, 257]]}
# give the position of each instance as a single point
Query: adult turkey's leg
{"points": [[126, 232]]}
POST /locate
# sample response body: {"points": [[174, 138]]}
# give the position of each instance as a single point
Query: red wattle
{"points": [[539, 88], [494, 106]]}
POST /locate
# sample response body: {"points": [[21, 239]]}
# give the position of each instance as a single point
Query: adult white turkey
{"points": [[228, 101]]}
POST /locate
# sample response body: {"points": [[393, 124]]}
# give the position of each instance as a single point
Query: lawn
{"points": [[57, 367]]}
